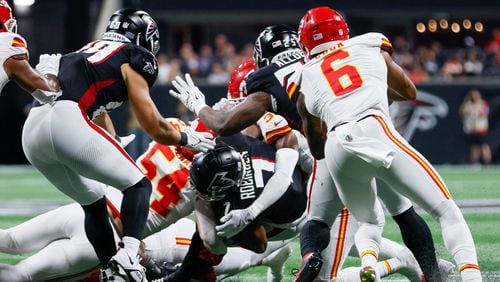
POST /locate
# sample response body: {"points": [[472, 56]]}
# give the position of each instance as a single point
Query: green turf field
{"points": [[20, 185]]}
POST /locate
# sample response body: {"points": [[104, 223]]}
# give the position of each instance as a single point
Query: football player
{"points": [[345, 84], [278, 56], [76, 155], [14, 61]]}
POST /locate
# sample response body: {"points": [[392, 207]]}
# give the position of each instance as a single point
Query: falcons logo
{"points": [[423, 114], [220, 184], [152, 30]]}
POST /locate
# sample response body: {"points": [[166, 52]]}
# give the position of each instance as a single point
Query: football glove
{"points": [[49, 64], [198, 141], [125, 140], [188, 93], [224, 105], [234, 222]]}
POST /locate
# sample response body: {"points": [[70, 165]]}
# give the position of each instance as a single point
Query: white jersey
{"points": [[346, 82], [11, 44]]}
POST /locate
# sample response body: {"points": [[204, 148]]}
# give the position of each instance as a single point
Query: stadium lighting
{"points": [[479, 26], [467, 24], [443, 23], [432, 24], [455, 27], [24, 3], [420, 27]]}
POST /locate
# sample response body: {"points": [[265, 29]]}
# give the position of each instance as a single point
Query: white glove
{"points": [[234, 222], [125, 140], [188, 94], [198, 141], [224, 105], [49, 64]]}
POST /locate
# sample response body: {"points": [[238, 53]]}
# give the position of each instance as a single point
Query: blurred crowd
{"points": [[213, 63]]}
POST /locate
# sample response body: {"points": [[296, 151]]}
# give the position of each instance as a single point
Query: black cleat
{"points": [[310, 268]]}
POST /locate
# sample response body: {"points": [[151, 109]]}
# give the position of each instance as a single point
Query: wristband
{"points": [[184, 139]]}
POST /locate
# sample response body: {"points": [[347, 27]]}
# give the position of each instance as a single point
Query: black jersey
{"points": [[273, 79], [258, 161], [92, 75]]}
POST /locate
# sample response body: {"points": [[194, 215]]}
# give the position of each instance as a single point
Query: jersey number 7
{"points": [[344, 79]]}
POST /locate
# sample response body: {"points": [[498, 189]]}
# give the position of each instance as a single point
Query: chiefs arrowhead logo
{"points": [[423, 114]]}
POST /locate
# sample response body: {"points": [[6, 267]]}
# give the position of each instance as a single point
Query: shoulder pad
{"points": [[144, 62], [13, 44], [376, 39]]}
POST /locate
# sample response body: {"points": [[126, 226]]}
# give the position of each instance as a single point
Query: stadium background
{"points": [[190, 29]]}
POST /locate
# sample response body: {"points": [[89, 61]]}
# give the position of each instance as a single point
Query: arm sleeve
{"points": [[276, 186]]}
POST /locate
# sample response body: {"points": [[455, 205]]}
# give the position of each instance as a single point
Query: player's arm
{"points": [[276, 186], [19, 70], [152, 121], [146, 111], [206, 222], [239, 117], [400, 87], [314, 130]]}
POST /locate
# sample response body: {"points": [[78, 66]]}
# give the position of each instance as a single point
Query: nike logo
{"points": [[277, 122]]}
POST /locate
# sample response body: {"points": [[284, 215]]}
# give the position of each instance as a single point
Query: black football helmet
{"points": [[216, 173], [273, 40], [135, 26]]}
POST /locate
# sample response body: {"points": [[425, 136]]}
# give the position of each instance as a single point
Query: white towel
{"points": [[369, 149]]}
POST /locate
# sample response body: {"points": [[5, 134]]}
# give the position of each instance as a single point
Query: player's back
{"points": [[92, 76], [348, 81], [258, 161], [11, 44]]}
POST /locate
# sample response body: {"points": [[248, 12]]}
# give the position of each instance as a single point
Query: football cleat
{"points": [[311, 265], [445, 268], [107, 276], [127, 268], [367, 274], [409, 265]]}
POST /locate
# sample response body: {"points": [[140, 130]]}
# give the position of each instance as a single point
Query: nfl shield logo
{"points": [[276, 44], [317, 36]]}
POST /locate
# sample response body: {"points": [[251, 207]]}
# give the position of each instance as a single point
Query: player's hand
{"points": [[188, 93], [234, 222], [49, 64], [125, 140], [198, 141], [224, 105]]}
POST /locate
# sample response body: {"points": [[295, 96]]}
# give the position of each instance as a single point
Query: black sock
{"points": [[418, 238], [314, 236], [135, 208], [192, 266], [99, 230]]}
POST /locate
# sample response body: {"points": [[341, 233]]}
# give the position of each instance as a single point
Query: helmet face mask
{"points": [[135, 26], [272, 41], [217, 173]]}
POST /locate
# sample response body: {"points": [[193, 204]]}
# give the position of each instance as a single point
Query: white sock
{"points": [[131, 245], [388, 266]]}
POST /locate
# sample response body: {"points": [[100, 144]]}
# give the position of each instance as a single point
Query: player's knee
{"points": [[447, 212], [8, 244]]}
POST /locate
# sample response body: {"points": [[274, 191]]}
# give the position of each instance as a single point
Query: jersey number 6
{"points": [[344, 79]]}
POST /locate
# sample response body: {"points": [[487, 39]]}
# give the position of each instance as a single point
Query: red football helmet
{"points": [[7, 21], [321, 25], [236, 89]]}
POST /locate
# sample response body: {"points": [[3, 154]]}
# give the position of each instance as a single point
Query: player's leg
{"points": [[357, 189], [425, 187], [38, 232], [342, 240], [322, 208], [414, 230]]}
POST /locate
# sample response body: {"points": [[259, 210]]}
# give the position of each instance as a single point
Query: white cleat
{"points": [[276, 263], [127, 268], [409, 265], [445, 268]]}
